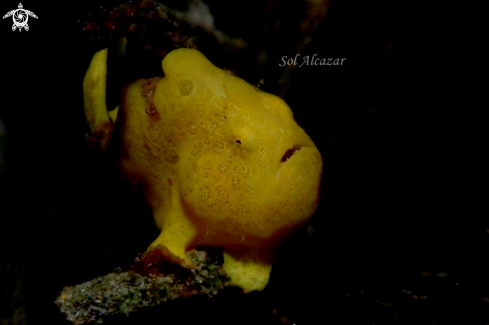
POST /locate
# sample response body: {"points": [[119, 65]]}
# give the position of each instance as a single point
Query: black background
{"points": [[401, 126]]}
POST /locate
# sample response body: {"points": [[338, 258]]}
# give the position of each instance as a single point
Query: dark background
{"points": [[402, 230]]}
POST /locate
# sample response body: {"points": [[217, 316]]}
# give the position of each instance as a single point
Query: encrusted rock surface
{"points": [[152, 280]]}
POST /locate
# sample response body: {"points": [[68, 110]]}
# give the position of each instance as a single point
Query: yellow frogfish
{"points": [[220, 163]]}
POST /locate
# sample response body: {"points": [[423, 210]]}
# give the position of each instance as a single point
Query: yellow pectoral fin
{"points": [[248, 268], [176, 235]]}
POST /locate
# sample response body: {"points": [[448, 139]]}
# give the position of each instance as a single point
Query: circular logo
{"points": [[20, 17]]}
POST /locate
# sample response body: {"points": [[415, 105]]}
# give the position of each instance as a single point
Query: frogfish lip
{"points": [[291, 151], [298, 159]]}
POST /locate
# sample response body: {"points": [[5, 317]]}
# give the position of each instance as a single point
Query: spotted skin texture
{"points": [[220, 163]]}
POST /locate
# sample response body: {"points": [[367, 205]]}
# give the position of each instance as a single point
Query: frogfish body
{"points": [[220, 163]]}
